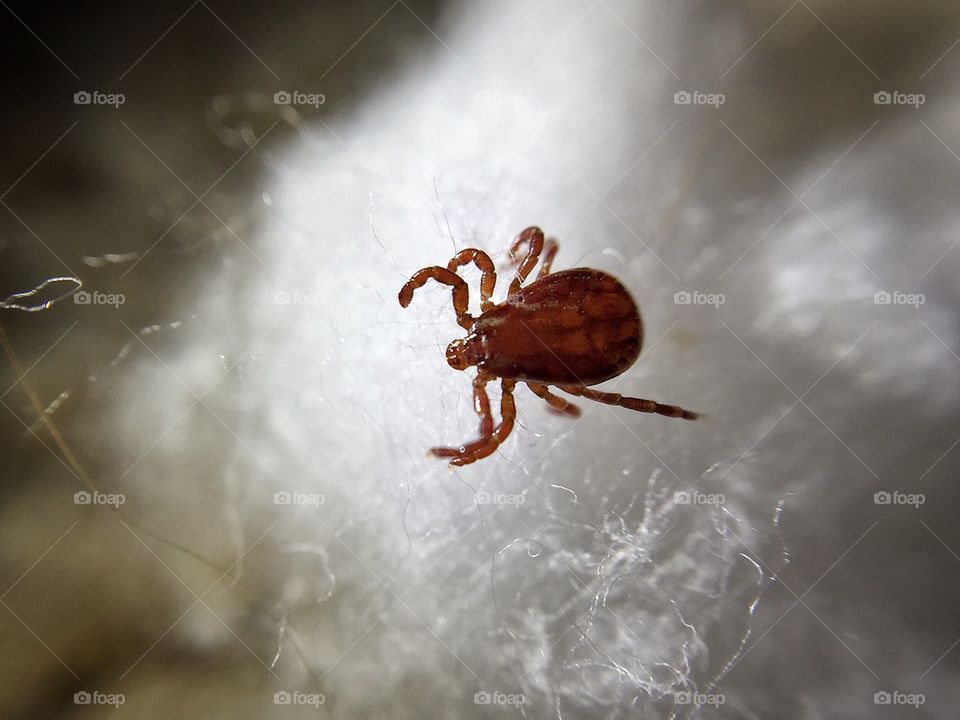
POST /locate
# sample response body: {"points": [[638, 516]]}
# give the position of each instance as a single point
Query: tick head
{"points": [[463, 352]]}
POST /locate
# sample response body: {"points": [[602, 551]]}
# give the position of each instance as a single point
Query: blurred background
{"points": [[216, 495]]}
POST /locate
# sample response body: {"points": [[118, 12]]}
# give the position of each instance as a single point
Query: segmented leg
{"points": [[483, 262], [557, 403], [481, 404], [550, 251], [461, 294], [638, 404], [532, 237], [488, 441]]}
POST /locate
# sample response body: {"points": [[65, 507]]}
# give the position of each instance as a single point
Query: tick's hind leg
{"points": [[557, 403], [489, 439], [461, 294], [483, 262], [638, 404]]}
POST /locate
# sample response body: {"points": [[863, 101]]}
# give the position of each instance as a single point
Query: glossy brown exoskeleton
{"points": [[570, 329]]}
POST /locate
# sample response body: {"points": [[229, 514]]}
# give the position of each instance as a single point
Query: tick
{"points": [[570, 329]]}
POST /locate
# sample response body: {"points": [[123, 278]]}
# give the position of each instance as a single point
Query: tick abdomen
{"points": [[574, 327]]}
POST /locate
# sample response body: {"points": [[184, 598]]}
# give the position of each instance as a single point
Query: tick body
{"points": [[570, 329], [576, 327]]}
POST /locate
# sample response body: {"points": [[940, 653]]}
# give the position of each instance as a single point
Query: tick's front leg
{"points": [[532, 239], [550, 248], [461, 294], [488, 444], [481, 404], [485, 264]]}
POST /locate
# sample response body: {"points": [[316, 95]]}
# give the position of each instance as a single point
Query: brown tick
{"points": [[570, 329]]}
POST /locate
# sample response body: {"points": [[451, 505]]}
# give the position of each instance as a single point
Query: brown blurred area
{"points": [[80, 182]]}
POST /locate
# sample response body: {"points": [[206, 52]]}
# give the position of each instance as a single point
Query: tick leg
{"points": [[638, 404], [532, 237], [557, 403], [461, 294], [471, 452], [485, 265], [550, 252], [481, 404]]}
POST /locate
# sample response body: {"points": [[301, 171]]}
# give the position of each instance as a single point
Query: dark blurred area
{"points": [[83, 181]]}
